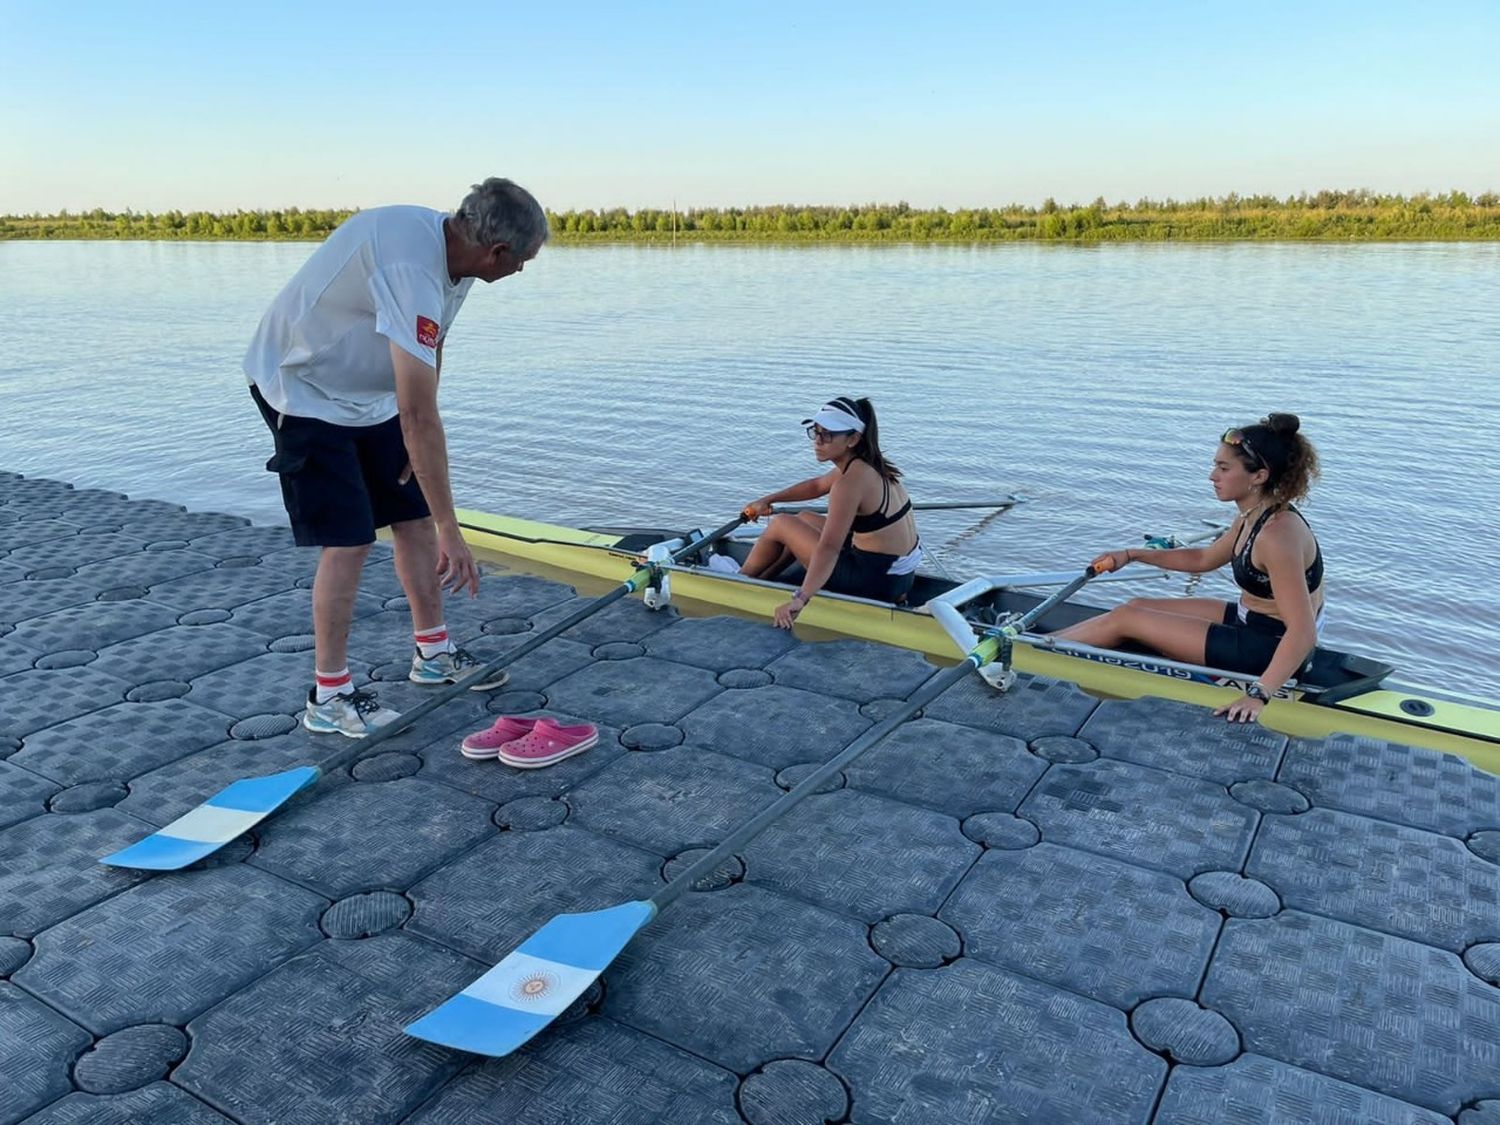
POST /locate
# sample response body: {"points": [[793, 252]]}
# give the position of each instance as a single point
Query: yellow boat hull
{"points": [[1471, 731]]}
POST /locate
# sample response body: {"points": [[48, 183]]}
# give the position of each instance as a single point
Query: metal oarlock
{"points": [[998, 673], [658, 592]]}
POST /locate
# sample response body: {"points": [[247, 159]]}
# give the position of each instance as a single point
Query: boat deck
{"points": [[1041, 907]]}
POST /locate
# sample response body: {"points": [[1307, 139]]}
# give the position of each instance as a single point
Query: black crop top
{"points": [[879, 518], [1255, 583]]}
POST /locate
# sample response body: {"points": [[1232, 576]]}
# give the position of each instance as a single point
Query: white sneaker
{"points": [[354, 714], [723, 564], [450, 667]]}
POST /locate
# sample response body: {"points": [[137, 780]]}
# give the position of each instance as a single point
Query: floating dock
{"points": [[1040, 907]]}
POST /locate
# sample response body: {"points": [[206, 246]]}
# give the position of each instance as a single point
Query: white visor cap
{"points": [[838, 416]]}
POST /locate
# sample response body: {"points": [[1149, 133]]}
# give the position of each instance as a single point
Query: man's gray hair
{"points": [[502, 211]]}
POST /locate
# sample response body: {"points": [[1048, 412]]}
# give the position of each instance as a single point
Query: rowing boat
{"points": [[1336, 693]]}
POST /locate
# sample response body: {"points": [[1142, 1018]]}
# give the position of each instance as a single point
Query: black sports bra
{"points": [[1253, 581], [880, 518]]}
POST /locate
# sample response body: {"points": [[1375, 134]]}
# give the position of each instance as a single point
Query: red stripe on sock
{"points": [[432, 638], [338, 680]]}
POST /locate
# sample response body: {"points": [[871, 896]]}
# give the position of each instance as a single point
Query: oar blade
{"points": [[533, 985], [202, 831]]}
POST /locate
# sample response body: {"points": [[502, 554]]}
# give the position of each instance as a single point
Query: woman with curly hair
{"points": [[1263, 470]]}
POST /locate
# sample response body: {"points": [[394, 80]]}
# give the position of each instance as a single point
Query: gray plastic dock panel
{"points": [[1095, 926], [1019, 907], [993, 1047]]}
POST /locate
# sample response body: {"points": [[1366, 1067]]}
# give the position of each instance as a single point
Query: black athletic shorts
{"points": [[1242, 646], [340, 483], [865, 574]]}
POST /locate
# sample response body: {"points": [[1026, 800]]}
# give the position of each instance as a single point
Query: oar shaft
{"points": [[808, 785], [438, 698], [961, 505], [712, 536], [982, 654], [1041, 609], [925, 506]]}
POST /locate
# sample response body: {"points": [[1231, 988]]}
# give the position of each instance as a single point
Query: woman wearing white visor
{"points": [[867, 544]]}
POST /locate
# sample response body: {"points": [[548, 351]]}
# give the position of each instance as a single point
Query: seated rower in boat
{"points": [[1264, 470], [867, 545]]}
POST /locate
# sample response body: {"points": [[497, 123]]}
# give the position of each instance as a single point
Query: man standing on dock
{"points": [[344, 368]]}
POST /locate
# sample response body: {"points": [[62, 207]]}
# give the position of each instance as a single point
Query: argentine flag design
{"points": [[535, 984], [207, 828]]}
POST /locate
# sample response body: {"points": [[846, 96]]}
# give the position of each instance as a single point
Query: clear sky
{"points": [[159, 105]]}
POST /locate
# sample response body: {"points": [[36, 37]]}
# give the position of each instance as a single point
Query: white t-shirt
{"points": [[323, 348]]}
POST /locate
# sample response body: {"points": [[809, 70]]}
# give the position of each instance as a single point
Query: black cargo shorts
{"points": [[340, 483]]}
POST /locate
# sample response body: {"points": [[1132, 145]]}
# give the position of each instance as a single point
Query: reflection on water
{"points": [[641, 384]]}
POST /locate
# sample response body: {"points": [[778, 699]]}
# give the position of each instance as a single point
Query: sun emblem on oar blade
{"points": [[533, 988]]}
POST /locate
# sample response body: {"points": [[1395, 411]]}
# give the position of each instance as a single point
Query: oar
{"points": [[244, 803], [924, 506], [537, 981], [957, 505]]}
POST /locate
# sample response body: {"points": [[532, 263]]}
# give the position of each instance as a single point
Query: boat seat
{"points": [[1340, 675], [635, 540]]}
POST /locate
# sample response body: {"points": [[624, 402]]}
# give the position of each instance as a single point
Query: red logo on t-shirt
{"points": [[427, 332]]}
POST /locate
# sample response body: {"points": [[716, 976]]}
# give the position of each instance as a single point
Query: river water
{"points": [[664, 385]]}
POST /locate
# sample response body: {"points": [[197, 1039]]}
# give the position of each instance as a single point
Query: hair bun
{"points": [[1283, 423]]}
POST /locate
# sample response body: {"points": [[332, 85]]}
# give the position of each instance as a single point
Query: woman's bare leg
{"points": [[1175, 627], [786, 537]]}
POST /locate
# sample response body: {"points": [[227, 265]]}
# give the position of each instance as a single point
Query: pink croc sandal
{"points": [[486, 743], [548, 742]]}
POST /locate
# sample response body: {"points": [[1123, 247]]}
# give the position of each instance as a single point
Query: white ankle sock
{"points": [[330, 684], [432, 641]]}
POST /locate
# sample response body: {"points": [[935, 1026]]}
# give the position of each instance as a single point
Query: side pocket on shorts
{"points": [[286, 463]]}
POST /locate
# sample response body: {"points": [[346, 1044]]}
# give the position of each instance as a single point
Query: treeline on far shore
{"points": [[1325, 215]]}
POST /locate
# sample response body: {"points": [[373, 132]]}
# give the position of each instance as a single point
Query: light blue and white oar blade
{"points": [[202, 831], [534, 984]]}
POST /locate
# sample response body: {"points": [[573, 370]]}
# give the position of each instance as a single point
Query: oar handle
{"points": [[453, 691], [712, 536], [1037, 612], [983, 653]]}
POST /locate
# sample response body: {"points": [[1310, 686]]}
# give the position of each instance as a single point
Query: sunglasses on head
{"points": [[1237, 439]]}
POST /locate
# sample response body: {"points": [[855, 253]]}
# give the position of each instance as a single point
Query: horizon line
{"points": [[1454, 196]]}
